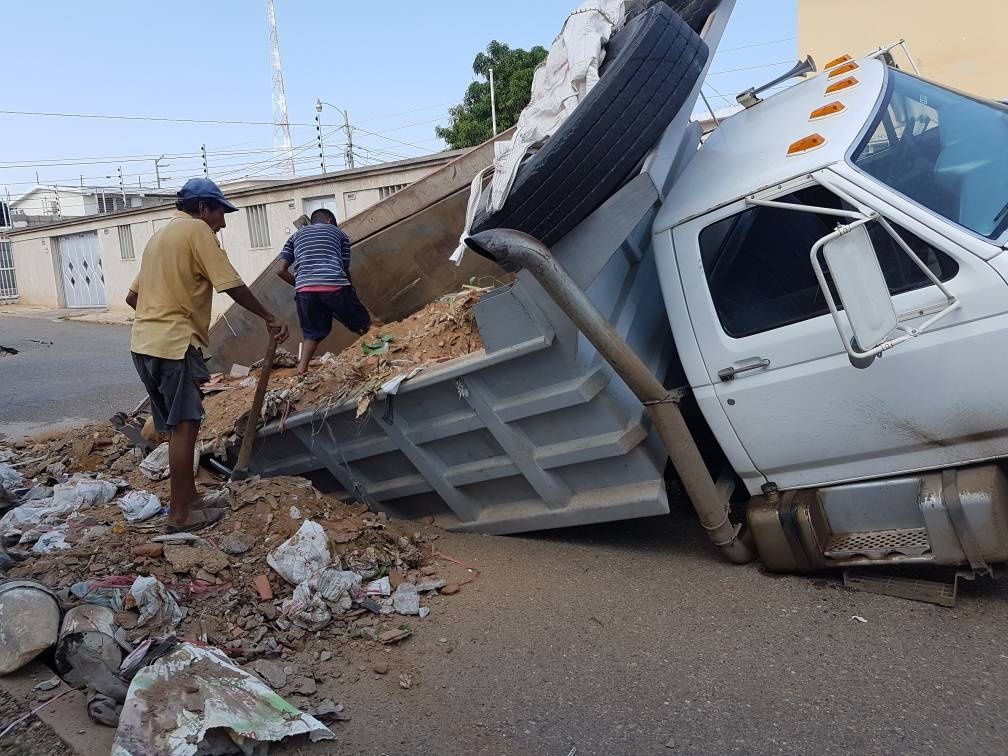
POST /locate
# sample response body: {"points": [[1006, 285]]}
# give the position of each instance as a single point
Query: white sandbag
{"points": [[138, 506], [302, 556]]}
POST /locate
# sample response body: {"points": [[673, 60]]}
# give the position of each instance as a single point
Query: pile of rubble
{"points": [[276, 597], [442, 331]]}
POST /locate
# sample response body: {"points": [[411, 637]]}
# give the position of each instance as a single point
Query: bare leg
{"points": [[308, 347], [181, 447]]}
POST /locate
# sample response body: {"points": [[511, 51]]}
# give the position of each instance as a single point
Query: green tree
{"points": [[470, 120]]}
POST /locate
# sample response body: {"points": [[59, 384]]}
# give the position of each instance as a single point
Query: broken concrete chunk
{"points": [[406, 600], [271, 672], [187, 558], [152, 550], [394, 636], [236, 543]]}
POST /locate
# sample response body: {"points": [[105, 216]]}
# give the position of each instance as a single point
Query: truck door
{"points": [[780, 373]]}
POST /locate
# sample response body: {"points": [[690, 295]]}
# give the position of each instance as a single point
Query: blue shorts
{"points": [[317, 309]]}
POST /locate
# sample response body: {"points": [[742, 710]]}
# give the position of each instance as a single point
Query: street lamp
{"points": [[346, 127]]}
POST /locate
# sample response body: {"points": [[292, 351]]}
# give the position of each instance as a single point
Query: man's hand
{"points": [[277, 330]]}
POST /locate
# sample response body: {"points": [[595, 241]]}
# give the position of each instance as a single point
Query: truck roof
{"points": [[749, 150]]}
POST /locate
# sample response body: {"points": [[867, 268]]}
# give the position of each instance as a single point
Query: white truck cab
{"points": [[771, 306]]}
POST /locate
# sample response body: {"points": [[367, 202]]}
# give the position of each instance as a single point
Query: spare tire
{"points": [[694, 12], [656, 61]]}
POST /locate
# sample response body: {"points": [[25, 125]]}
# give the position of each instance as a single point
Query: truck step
{"points": [[878, 544]]}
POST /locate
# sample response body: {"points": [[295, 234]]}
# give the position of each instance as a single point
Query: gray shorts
{"points": [[174, 387]]}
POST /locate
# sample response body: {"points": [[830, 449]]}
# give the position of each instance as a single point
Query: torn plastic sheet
{"points": [[174, 702], [569, 72], [391, 387]]}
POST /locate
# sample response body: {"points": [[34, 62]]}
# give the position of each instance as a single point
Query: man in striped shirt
{"points": [[319, 256]]}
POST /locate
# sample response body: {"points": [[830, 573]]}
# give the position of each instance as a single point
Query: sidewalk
{"points": [[94, 315]]}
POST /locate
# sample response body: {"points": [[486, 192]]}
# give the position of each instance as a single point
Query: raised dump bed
{"points": [[535, 430]]}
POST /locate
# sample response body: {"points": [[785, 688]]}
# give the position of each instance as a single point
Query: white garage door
{"points": [[81, 270]]}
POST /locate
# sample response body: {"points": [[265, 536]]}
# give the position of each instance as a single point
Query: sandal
{"points": [[198, 519]]}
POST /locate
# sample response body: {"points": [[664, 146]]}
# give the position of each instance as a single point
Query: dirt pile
{"points": [[442, 331]]}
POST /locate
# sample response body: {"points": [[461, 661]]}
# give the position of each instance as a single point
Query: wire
{"points": [[749, 68], [407, 112], [756, 44], [164, 119]]}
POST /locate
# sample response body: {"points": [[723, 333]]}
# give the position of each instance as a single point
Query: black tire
{"points": [[694, 12], [656, 61]]}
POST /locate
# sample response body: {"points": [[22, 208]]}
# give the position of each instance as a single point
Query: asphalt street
{"points": [[65, 373]]}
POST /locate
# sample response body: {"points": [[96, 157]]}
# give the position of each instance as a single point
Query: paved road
{"points": [[84, 374], [636, 638]]}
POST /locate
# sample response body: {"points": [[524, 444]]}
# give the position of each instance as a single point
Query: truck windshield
{"points": [[945, 151]]}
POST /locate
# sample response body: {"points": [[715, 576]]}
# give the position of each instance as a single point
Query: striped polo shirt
{"points": [[319, 255]]}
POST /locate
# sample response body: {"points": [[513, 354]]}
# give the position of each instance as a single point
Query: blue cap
{"points": [[201, 188]]}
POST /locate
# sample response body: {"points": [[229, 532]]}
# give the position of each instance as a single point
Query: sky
{"points": [[395, 67]]}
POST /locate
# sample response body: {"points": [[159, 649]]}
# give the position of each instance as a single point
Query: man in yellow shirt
{"points": [[182, 265]]}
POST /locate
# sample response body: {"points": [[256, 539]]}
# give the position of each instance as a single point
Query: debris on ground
{"points": [[290, 586], [29, 622], [197, 700]]}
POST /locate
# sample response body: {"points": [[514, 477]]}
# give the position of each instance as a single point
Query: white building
{"points": [[48, 204], [91, 261]]}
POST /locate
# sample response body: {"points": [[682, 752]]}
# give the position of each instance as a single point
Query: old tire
{"points": [[656, 60], [694, 12]]}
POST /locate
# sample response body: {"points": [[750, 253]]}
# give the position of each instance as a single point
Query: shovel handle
{"points": [[245, 452]]}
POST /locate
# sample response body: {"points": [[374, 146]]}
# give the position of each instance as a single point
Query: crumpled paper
{"points": [[157, 607]]}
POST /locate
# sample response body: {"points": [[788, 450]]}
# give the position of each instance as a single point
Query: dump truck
{"points": [[797, 320]]}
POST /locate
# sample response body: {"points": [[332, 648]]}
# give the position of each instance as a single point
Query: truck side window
{"points": [[757, 263]]}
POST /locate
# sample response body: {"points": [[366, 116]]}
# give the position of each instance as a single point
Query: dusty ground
{"points": [[625, 638], [32, 738]]}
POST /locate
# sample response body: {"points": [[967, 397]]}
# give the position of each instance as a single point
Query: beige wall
{"points": [[958, 44], [34, 256]]}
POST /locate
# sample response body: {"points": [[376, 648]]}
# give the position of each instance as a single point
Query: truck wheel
{"points": [[655, 62], [694, 12]]}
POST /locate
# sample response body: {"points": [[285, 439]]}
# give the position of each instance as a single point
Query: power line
{"points": [[163, 119], [756, 44], [750, 68]]}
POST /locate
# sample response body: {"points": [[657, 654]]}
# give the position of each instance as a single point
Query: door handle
{"points": [[729, 373]]}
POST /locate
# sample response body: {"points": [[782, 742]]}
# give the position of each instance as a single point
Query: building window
{"points": [[258, 225], [110, 203], [126, 242], [758, 269], [384, 192]]}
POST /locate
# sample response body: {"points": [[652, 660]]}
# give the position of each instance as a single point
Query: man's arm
{"points": [[243, 296], [214, 264], [131, 299], [284, 271], [345, 256]]}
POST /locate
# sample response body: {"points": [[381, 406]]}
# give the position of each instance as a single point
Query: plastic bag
{"points": [[79, 493], [302, 556], [47, 543], [156, 605], [306, 608], [335, 586], [138, 506]]}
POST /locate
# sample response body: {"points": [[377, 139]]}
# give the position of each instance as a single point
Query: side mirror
{"points": [[863, 291]]}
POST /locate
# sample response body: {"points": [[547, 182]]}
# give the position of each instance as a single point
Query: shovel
{"points": [[240, 471]]}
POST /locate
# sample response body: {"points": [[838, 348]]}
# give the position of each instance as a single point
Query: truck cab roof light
{"points": [[847, 83], [844, 69], [829, 109], [811, 142], [837, 61]]}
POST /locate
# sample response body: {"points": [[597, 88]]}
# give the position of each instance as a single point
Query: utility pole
{"points": [[157, 172], [349, 139], [57, 208], [493, 104], [122, 187], [206, 171], [281, 125], [349, 154], [318, 133]]}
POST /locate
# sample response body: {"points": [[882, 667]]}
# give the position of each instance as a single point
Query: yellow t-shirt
{"points": [[181, 266]]}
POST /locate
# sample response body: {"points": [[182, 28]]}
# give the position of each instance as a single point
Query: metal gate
{"points": [[8, 283], [81, 270]]}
